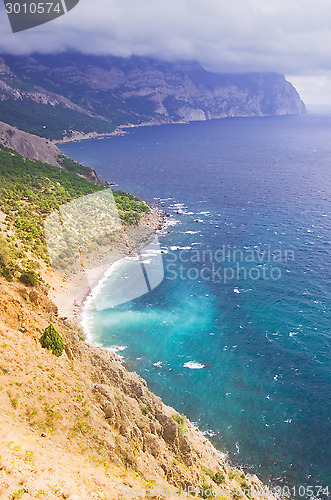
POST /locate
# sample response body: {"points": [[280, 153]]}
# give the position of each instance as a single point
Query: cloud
{"points": [[315, 90], [288, 36]]}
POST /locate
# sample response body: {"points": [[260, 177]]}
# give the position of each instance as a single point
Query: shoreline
{"points": [[76, 291], [80, 136], [80, 323], [122, 130]]}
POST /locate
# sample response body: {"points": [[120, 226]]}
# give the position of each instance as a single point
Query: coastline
{"points": [[83, 295], [74, 292], [79, 136], [116, 398], [122, 130]]}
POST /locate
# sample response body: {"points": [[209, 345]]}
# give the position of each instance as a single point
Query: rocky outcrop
{"points": [[37, 148], [29, 145]]}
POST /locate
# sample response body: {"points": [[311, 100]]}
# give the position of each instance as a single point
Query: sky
{"points": [[292, 37]]}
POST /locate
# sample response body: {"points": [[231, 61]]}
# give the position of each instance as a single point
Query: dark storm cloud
{"points": [[237, 35]]}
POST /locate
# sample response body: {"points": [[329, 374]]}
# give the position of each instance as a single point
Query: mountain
{"points": [[28, 145], [34, 147], [54, 95]]}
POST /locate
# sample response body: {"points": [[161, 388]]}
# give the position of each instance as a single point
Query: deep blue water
{"points": [[263, 340]]}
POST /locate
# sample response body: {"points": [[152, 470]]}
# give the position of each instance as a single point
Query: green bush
{"points": [[218, 478], [29, 277], [246, 488], [52, 340], [8, 268], [237, 495], [231, 474], [144, 410], [180, 420]]}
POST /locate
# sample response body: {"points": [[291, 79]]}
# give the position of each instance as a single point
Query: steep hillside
{"points": [[82, 427], [29, 191], [54, 95], [34, 147], [28, 145]]}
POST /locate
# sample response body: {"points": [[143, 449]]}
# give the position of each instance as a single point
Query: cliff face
{"points": [[28, 145], [83, 427], [37, 148], [140, 90]]}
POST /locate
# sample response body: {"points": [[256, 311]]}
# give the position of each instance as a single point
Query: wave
{"points": [[193, 365], [170, 222], [210, 433], [180, 248], [116, 348], [88, 304]]}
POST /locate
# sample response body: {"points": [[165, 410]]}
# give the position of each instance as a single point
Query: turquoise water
{"points": [[239, 342]]}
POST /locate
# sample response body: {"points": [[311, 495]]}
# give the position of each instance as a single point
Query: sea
{"points": [[237, 334]]}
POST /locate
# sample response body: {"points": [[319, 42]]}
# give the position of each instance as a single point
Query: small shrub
{"points": [[237, 495], [231, 474], [246, 488], [52, 340], [145, 410], [218, 478], [206, 491], [81, 334], [14, 402], [180, 420], [29, 277], [18, 494], [207, 471]]}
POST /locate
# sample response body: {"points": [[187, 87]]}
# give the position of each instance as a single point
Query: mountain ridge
{"points": [[100, 93]]}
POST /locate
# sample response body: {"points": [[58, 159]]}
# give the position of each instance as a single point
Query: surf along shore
{"points": [[69, 292]]}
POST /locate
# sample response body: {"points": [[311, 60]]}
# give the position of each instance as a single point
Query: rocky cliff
{"points": [[29, 145], [110, 91], [82, 427]]}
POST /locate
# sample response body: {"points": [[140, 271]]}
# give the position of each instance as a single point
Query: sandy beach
{"points": [[70, 291]]}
